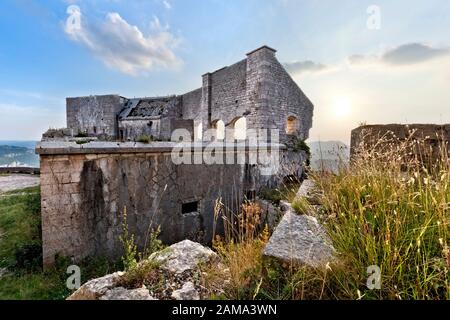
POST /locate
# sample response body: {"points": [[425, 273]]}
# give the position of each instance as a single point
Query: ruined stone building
{"points": [[86, 187], [257, 88]]}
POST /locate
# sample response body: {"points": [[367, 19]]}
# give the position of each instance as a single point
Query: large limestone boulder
{"points": [[183, 256], [126, 294], [187, 292], [96, 288], [179, 266], [300, 239]]}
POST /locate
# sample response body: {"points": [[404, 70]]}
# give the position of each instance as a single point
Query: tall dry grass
{"points": [[390, 208]]}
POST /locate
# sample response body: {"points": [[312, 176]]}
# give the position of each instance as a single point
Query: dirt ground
{"points": [[17, 181]]}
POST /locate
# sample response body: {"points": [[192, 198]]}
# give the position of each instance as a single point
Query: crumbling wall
{"points": [[95, 115], [132, 129], [432, 137]]}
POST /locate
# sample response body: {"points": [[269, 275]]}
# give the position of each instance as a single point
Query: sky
{"points": [[358, 61]]}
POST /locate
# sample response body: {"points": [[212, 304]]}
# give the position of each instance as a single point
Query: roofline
{"points": [[263, 47], [98, 95]]}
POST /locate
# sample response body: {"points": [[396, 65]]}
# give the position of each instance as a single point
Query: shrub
{"points": [[129, 259], [298, 145], [82, 135], [144, 139], [29, 257], [285, 192], [153, 244]]}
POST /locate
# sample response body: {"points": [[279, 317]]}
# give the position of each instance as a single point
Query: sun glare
{"points": [[342, 107]]}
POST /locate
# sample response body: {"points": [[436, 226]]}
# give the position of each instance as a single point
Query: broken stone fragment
{"points": [[121, 293], [179, 264], [183, 256], [300, 239], [94, 289], [3, 272], [187, 292]]}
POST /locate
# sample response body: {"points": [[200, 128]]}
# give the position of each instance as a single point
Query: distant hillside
{"points": [[29, 144], [18, 154], [329, 155]]}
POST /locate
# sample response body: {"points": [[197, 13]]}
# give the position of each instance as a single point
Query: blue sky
{"points": [[397, 73]]}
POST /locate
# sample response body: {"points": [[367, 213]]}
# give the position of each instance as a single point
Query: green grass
{"points": [[20, 252], [19, 223]]}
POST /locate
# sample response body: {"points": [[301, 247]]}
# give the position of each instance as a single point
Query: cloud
{"points": [[167, 4], [413, 53], [300, 67], [122, 46], [406, 54]]}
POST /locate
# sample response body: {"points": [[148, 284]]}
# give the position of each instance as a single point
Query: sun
{"points": [[342, 107]]}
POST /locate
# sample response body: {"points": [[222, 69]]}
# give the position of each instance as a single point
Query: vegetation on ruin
{"points": [[389, 210], [82, 135], [286, 191], [144, 139], [298, 145]]}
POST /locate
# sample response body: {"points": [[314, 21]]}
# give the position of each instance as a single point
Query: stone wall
{"points": [[132, 129], [191, 104], [85, 191], [257, 88], [228, 93], [96, 115], [381, 136]]}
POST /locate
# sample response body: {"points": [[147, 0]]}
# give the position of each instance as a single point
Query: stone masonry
{"points": [[87, 183], [86, 191], [257, 88]]}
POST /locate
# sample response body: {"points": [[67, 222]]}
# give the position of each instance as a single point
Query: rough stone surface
{"points": [[85, 188], [95, 115], [120, 293], [179, 266], [309, 191], [257, 88], [83, 198], [300, 239], [94, 289], [184, 256], [187, 292]]}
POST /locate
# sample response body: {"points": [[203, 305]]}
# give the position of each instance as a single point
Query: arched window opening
{"points": [[198, 131], [240, 129], [292, 126], [219, 125]]}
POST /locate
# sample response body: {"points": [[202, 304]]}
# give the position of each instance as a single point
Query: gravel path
{"points": [[17, 182]]}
